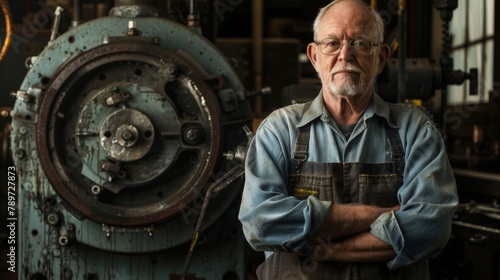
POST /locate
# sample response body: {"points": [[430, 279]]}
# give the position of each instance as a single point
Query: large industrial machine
{"points": [[123, 151], [123, 130]]}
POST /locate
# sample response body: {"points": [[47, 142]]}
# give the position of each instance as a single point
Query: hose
{"points": [[8, 28], [225, 180]]}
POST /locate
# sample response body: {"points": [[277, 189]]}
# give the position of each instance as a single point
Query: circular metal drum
{"points": [[135, 121], [119, 127]]}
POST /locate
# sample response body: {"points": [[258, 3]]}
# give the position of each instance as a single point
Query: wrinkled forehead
{"points": [[349, 32], [346, 21]]}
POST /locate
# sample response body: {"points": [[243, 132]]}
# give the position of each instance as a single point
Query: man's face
{"points": [[348, 72]]}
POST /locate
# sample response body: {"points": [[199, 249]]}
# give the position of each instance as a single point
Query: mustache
{"points": [[350, 68]]}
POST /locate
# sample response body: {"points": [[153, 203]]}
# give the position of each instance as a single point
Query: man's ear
{"points": [[384, 54], [312, 53]]}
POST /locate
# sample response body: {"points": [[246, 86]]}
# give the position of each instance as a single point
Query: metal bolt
{"points": [[114, 99], [53, 219], [127, 135], [110, 167], [30, 61], [228, 155], [132, 29], [21, 95], [96, 189], [192, 134], [63, 240], [171, 69], [22, 130]]}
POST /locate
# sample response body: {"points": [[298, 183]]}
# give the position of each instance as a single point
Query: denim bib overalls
{"points": [[341, 183]]}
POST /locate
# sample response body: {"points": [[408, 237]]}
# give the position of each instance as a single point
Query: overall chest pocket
{"points": [[303, 185], [380, 190]]}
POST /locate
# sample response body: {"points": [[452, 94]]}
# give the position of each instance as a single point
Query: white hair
{"points": [[377, 29]]}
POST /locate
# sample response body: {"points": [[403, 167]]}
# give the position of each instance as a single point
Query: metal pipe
{"points": [[56, 24], [192, 19], [77, 13], [257, 39], [224, 181], [402, 52], [476, 227], [477, 174]]}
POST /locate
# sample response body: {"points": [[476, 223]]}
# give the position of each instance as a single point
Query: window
{"points": [[472, 33]]}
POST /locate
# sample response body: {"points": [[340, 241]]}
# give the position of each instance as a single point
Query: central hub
{"points": [[127, 135]]}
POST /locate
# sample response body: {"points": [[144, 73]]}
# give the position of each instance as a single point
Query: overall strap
{"points": [[299, 153], [394, 145]]}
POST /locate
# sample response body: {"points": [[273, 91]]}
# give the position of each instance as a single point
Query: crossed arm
{"points": [[345, 236]]}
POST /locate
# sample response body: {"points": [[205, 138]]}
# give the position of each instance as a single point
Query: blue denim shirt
{"points": [[274, 221]]}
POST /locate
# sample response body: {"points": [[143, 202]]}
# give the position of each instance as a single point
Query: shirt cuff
{"points": [[320, 209], [386, 228], [314, 214]]}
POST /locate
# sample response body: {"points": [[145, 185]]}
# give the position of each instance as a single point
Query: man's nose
{"points": [[345, 53]]}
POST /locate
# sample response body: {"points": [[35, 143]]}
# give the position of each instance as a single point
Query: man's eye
{"points": [[360, 44], [333, 43]]}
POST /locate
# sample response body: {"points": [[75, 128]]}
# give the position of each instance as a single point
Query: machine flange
{"points": [[150, 148]]}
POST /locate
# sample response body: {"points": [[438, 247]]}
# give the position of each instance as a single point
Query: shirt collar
{"points": [[377, 107], [316, 110], [381, 108]]}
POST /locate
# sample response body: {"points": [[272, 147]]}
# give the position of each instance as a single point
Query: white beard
{"points": [[348, 88]]}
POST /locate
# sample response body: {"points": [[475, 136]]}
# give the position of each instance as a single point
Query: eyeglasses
{"points": [[333, 46]]}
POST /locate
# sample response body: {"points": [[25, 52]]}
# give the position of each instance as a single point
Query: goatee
{"points": [[348, 88]]}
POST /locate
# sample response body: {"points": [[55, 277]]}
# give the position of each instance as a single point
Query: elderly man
{"points": [[347, 186]]}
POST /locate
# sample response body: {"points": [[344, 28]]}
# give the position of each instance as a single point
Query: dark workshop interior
{"points": [[78, 207]]}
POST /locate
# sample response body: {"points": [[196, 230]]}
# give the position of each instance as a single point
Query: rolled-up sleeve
{"points": [[271, 219], [428, 198]]}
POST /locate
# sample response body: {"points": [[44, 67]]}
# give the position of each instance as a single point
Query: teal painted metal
{"points": [[62, 241]]}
